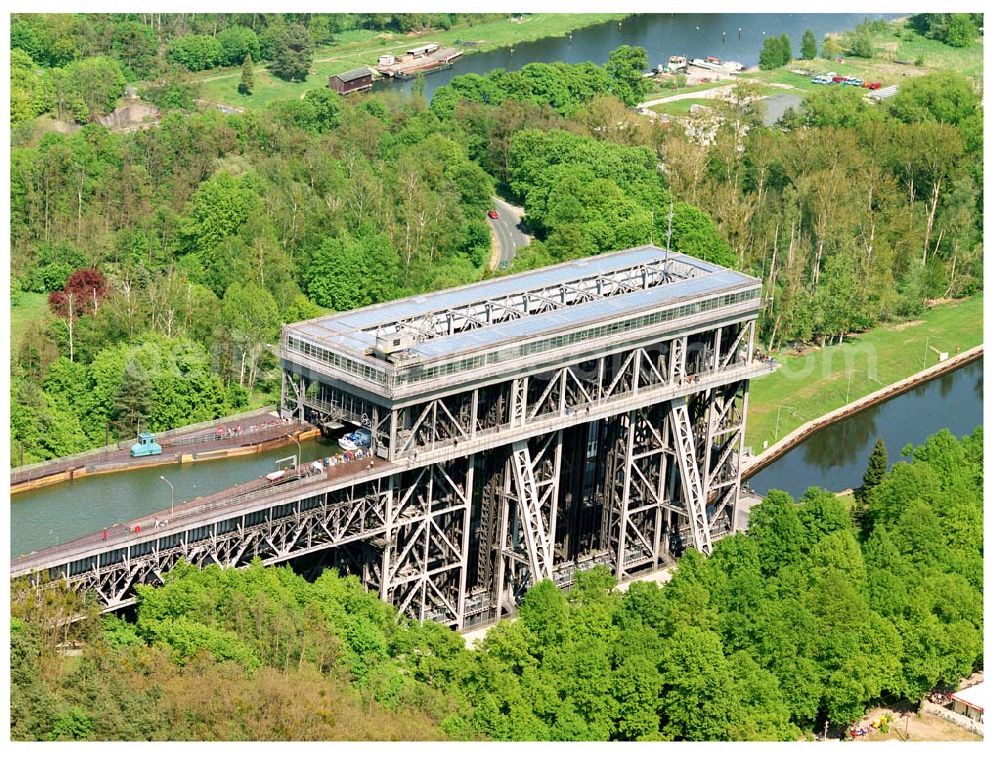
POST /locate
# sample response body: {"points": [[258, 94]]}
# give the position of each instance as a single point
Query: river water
{"points": [[729, 36], [835, 458], [53, 515]]}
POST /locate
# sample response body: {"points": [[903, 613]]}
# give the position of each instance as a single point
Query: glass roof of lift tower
{"points": [[556, 298]]}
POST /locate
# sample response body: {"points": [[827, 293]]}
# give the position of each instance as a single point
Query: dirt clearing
{"points": [[919, 727]]}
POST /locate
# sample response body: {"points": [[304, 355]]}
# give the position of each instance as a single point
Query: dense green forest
{"points": [[171, 255], [814, 615], [146, 45]]}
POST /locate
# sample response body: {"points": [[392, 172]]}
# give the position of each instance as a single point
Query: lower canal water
{"points": [[835, 457], [62, 512]]}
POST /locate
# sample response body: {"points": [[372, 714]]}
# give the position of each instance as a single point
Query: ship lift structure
{"points": [[524, 428]]}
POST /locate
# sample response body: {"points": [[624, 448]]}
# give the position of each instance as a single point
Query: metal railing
{"points": [[95, 544], [167, 439], [224, 502]]}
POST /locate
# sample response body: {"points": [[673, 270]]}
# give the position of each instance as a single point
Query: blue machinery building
{"points": [[525, 427]]}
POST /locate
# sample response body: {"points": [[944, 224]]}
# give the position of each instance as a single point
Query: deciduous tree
{"points": [[626, 66], [808, 47]]}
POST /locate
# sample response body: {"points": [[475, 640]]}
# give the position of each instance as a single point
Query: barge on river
{"points": [[420, 60]]}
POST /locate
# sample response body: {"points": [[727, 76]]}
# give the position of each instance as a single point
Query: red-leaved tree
{"points": [[84, 289], [83, 292]]}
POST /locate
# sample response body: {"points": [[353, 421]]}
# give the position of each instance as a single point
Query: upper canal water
{"points": [[62, 512], [728, 36], [835, 458]]}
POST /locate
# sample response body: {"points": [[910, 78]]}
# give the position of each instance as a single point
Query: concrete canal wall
{"points": [[754, 464], [115, 459]]}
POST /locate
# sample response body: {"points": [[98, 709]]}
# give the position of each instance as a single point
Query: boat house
{"points": [[355, 80]]}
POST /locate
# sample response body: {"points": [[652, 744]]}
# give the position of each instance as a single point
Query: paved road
{"points": [[229, 110], [698, 95], [507, 230]]}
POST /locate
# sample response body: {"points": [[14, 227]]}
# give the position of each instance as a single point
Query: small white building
{"points": [[420, 52], [970, 701]]}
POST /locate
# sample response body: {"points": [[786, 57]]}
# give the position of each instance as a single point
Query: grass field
{"points": [[660, 91], [847, 499], [799, 81], [32, 307], [817, 381], [683, 107], [902, 44], [360, 47], [897, 52]]}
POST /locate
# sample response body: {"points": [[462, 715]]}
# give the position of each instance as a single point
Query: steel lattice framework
{"points": [[525, 428]]}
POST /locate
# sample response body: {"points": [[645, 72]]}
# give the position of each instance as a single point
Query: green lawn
{"points": [[799, 81], [847, 499], [897, 53], [683, 107], [816, 382], [909, 46], [359, 48], [33, 306], [659, 91]]}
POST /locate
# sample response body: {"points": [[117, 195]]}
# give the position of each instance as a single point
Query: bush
{"points": [[236, 43], [772, 54], [831, 48], [172, 93], [961, 30], [196, 52], [861, 44], [53, 276]]}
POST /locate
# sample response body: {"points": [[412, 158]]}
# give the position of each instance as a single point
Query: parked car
{"points": [[492, 213]]}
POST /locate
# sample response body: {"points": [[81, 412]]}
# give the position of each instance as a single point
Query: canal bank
{"points": [[956, 406], [213, 453], [542, 38], [730, 36], [65, 511], [242, 434], [813, 381]]}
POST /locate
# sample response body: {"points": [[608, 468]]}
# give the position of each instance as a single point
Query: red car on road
{"points": [[492, 213]]}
